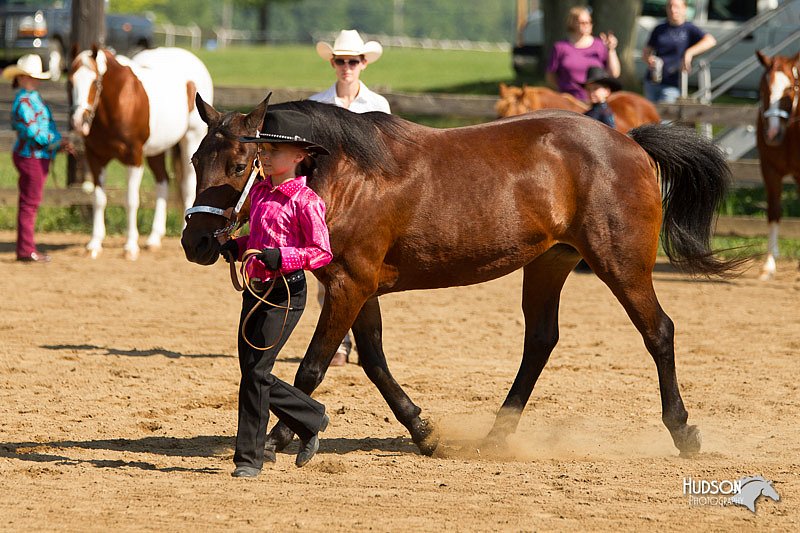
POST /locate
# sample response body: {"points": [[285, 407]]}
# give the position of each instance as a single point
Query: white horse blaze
{"points": [[780, 82]]}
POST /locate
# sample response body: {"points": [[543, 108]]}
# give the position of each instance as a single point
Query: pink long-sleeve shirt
{"points": [[290, 217]]}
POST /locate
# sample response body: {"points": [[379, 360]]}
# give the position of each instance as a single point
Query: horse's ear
{"points": [[503, 90], [206, 111], [764, 59], [255, 118]]}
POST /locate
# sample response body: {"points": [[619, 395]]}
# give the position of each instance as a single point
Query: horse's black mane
{"points": [[354, 135]]}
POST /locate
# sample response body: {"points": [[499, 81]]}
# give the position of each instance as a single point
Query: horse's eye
{"points": [[239, 169]]}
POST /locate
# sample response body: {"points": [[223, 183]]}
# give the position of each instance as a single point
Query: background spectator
{"points": [[36, 145], [571, 58], [669, 51]]}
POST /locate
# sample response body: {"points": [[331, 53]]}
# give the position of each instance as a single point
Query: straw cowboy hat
{"points": [[350, 43], [28, 65]]}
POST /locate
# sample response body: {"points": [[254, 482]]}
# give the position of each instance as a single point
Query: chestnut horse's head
{"points": [[779, 93], [86, 78], [510, 102], [223, 165]]}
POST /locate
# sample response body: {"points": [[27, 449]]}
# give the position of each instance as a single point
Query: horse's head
{"points": [[86, 78], [510, 102], [223, 165], [779, 93]]}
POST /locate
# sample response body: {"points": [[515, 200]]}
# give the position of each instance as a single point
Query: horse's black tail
{"points": [[694, 181]]}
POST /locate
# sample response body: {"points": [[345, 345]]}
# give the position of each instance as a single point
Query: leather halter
{"points": [[92, 109], [787, 115]]}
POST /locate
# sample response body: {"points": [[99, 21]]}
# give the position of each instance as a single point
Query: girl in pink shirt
{"points": [[287, 225]]}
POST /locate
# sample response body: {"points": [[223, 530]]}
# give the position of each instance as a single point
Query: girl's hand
{"points": [[609, 40]]}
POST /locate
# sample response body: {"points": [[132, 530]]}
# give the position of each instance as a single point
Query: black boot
{"points": [[309, 448]]}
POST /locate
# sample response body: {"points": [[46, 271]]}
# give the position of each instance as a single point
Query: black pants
{"points": [[259, 390]]}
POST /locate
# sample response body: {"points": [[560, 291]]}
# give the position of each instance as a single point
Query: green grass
{"points": [[399, 69], [732, 247]]}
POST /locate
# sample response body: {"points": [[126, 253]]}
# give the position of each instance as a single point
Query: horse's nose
{"points": [[79, 122], [772, 132]]}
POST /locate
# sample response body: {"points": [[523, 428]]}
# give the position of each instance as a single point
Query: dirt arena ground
{"points": [[118, 396]]}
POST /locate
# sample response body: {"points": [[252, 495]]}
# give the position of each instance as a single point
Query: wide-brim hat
{"points": [[287, 126], [350, 43], [600, 76], [27, 65]]}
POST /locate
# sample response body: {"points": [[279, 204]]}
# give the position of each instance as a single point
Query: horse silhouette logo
{"points": [[751, 488]]}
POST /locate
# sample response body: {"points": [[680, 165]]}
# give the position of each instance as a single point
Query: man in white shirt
{"points": [[349, 56]]}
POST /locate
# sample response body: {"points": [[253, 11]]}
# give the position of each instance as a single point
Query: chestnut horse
{"points": [[412, 207], [132, 109], [778, 139], [630, 109]]}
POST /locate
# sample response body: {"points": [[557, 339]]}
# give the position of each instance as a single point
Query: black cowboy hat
{"points": [[600, 77], [287, 126]]}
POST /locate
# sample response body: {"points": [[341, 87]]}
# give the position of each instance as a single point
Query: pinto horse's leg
{"points": [[131, 248], [633, 287], [541, 292], [95, 245], [185, 171], [158, 165]]}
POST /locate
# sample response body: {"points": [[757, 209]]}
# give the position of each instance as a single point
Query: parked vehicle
{"points": [[44, 27], [720, 18]]}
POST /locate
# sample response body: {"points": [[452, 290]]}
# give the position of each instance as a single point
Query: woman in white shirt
{"points": [[349, 56]]}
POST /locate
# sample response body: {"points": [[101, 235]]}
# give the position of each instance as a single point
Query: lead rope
{"points": [[248, 255]]}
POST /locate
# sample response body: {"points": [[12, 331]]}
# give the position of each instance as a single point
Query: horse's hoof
{"points": [[132, 255], [766, 275], [494, 444], [94, 253], [154, 246], [689, 442], [279, 438], [425, 435]]}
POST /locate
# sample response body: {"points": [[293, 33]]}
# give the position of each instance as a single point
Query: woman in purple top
{"points": [[571, 58]]}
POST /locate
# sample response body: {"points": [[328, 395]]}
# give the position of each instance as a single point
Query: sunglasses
{"points": [[351, 62]]}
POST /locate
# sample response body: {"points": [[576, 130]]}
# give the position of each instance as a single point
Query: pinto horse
{"points": [[412, 207], [132, 109], [778, 139], [630, 109]]}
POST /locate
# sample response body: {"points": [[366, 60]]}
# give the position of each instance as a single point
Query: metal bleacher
{"points": [[739, 141]]}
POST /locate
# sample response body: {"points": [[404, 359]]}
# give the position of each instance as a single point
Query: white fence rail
{"points": [[184, 35]]}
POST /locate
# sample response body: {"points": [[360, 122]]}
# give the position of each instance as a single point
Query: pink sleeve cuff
{"points": [[290, 259]]}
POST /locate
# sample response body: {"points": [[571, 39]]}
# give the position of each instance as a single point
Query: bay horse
{"points": [[411, 207], [778, 139], [137, 109], [630, 109]]}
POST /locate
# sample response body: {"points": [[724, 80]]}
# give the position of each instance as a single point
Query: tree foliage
{"points": [[295, 20]]}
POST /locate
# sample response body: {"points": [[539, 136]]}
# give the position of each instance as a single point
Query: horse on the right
{"points": [[778, 139]]}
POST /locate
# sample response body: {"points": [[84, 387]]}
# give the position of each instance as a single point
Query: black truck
{"points": [[43, 27]]}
